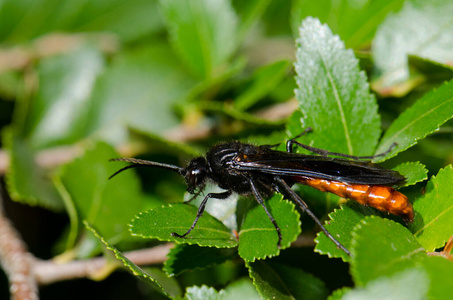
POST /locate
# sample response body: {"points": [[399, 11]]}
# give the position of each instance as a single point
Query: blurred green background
{"points": [[164, 80]]}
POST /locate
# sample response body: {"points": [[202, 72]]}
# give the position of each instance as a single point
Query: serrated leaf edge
{"points": [[388, 141], [448, 168], [331, 217], [177, 241], [425, 170], [283, 247], [126, 262]]}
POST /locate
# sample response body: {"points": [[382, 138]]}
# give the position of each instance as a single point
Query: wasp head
{"points": [[196, 174]]}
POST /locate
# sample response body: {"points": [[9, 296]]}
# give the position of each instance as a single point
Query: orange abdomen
{"points": [[378, 196]]}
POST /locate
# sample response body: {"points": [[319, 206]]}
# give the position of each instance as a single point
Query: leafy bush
{"points": [[81, 83]]}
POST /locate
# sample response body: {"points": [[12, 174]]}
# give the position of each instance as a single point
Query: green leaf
{"points": [[339, 293], [440, 271], [203, 33], [382, 247], [410, 284], [224, 108], [168, 286], [341, 224], [414, 172], [432, 224], [27, 182], [249, 12], [432, 70], [128, 21], [159, 143], [265, 80], [240, 289], [58, 114], [421, 119], [333, 94], [203, 292], [185, 257], [421, 28], [224, 211], [152, 81], [107, 204], [257, 235], [354, 21], [160, 223], [275, 281]]}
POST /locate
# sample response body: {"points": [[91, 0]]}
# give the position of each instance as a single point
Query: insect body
{"points": [[259, 170], [381, 197]]}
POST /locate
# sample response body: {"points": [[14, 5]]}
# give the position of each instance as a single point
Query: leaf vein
{"points": [[433, 220], [392, 138]]}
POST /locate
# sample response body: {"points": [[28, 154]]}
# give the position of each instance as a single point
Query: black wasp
{"points": [[259, 170]]}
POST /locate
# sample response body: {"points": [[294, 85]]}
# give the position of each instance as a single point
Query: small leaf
{"points": [[26, 181], [440, 272], [339, 293], [432, 224], [185, 257], [414, 172], [107, 204], [341, 224], [421, 119], [137, 19], [354, 21], [152, 81], [258, 237], [249, 12], [410, 284], [382, 247], [169, 286], [58, 113], [333, 94], [203, 292], [203, 32], [421, 28], [432, 70], [275, 281], [265, 80], [160, 223], [240, 289]]}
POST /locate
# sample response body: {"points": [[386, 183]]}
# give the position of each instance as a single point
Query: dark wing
{"points": [[329, 168]]}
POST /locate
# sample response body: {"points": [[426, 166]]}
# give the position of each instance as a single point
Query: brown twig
{"points": [[25, 272], [19, 58], [50, 271], [50, 158], [16, 260], [446, 252]]}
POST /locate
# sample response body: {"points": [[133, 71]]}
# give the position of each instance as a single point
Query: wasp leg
{"points": [[194, 196], [308, 129], [260, 200], [201, 208], [304, 207], [292, 142]]}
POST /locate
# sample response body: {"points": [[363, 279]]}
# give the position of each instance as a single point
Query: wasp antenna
{"points": [[144, 163]]}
